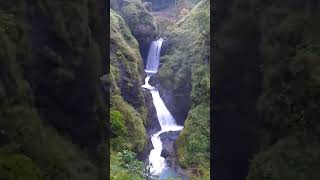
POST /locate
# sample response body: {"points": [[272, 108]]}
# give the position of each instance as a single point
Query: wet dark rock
{"points": [[169, 136], [152, 125], [168, 140], [165, 153], [177, 101]]}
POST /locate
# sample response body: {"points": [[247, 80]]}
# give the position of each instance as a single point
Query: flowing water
{"points": [[157, 163], [167, 123], [153, 57]]}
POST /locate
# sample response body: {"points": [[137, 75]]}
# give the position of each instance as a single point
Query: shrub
{"points": [[135, 166], [117, 122]]}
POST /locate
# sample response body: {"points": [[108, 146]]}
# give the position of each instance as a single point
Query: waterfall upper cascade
{"points": [[152, 63], [167, 122]]}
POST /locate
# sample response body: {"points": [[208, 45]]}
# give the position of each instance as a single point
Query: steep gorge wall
{"points": [[140, 21], [126, 94]]}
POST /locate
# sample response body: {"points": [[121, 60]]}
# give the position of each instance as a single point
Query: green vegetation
{"points": [[141, 23], [180, 69], [278, 40], [130, 162], [128, 113], [289, 100], [194, 143], [50, 63], [126, 95], [118, 171], [27, 134], [290, 158], [185, 70], [134, 138], [117, 122]]}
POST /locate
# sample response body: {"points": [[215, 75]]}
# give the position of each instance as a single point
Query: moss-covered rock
{"points": [[141, 23], [135, 136], [127, 96], [194, 141]]}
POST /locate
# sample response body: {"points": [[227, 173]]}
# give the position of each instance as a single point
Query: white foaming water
{"points": [[167, 123], [154, 56], [146, 83]]}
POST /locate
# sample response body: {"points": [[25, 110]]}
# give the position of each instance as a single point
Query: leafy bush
{"points": [[134, 125], [118, 172], [117, 122], [193, 142], [135, 166]]}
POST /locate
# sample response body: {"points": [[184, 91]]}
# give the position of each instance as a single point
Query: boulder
{"points": [[168, 139], [141, 23]]}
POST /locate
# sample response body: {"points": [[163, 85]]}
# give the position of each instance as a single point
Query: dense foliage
{"points": [[279, 42], [127, 100], [118, 171], [50, 63], [117, 122], [288, 104], [185, 70], [126, 166], [128, 113]]}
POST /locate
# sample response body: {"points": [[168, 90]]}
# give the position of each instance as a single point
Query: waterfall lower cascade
{"points": [[167, 123]]}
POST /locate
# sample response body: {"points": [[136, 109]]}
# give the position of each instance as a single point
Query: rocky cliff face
{"points": [[126, 94], [140, 22]]}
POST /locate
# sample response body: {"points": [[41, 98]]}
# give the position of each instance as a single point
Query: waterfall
{"points": [[167, 122], [153, 57]]}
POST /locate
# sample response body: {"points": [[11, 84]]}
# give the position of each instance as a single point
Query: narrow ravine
{"points": [[157, 163]]}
